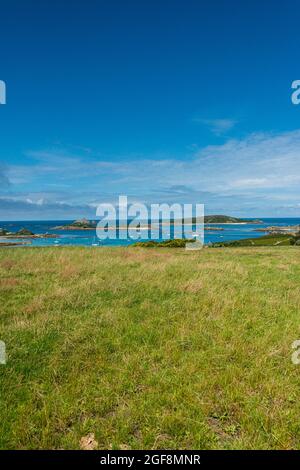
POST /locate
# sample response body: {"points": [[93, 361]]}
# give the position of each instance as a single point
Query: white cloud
{"points": [[259, 172], [217, 126]]}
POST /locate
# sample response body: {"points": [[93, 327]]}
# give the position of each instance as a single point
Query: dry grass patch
{"points": [[9, 283]]}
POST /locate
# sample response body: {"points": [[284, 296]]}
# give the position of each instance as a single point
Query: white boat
{"points": [[95, 242]]}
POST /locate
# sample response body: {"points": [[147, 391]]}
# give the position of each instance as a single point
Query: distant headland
{"points": [[227, 219]]}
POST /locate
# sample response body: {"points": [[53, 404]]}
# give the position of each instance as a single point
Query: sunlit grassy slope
{"points": [[150, 348]]}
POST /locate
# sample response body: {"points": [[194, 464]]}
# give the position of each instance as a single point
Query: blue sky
{"points": [[164, 101]]}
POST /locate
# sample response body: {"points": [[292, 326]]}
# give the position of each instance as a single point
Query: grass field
{"points": [[150, 348]]}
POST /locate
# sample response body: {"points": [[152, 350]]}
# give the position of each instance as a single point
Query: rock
{"points": [[88, 442], [24, 231], [82, 224]]}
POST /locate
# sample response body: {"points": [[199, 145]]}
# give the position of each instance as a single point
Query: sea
{"points": [[89, 238]]}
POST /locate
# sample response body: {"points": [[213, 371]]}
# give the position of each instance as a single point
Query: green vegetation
{"points": [[295, 240], [21, 232], [175, 243], [266, 240], [83, 223], [150, 348]]}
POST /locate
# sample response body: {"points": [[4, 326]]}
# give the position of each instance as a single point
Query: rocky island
{"points": [[24, 233], [82, 224], [214, 229], [288, 229]]}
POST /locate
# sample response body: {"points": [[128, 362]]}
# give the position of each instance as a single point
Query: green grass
{"points": [[150, 348], [265, 240]]}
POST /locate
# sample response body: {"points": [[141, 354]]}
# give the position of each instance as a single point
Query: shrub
{"points": [[295, 240], [176, 243]]}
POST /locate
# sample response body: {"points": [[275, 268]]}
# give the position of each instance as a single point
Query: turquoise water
{"points": [[88, 238]]}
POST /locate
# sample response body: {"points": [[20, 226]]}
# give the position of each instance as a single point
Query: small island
{"points": [[214, 229], [81, 224], [287, 229], [24, 233]]}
